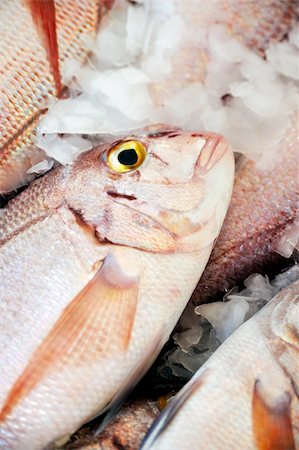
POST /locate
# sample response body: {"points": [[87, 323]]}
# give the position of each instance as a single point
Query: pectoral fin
{"points": [[272, 426], [43, 15], [98, 322]]}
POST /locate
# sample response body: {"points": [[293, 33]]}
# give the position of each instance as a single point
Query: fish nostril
{"points": [[213, 150]]}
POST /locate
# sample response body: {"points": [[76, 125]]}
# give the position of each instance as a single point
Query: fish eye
{"points": [[126, 156]]}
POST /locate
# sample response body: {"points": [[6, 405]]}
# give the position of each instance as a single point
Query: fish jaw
{"points": [[246, 392], [60, 341]]}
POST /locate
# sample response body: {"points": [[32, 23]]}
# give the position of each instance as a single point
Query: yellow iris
{"points": [[126, 156]]}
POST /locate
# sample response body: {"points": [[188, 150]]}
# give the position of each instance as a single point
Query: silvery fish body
{"points": [[96, 267], [246, 395]]}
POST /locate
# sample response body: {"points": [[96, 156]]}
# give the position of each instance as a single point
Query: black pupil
{"points": [[128, 157]]}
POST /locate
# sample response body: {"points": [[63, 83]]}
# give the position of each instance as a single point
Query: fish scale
{"points": [[26, 80]]}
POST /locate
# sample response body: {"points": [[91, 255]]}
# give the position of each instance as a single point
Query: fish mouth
{"points": [[211, 153]]}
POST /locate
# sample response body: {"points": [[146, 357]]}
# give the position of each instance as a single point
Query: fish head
{"points": [[159, 192]]}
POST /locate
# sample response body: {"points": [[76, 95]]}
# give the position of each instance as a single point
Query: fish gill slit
{"points": [[88, 229], [92, 232]]}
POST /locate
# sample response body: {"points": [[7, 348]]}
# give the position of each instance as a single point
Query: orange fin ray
{"points": [[97, 322], [272, 426]]}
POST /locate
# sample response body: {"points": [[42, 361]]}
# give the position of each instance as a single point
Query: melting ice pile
{"points": [[212, 323], [146, 67]]}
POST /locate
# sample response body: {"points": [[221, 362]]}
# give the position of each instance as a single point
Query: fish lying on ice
{"points": [[246, 395], [254, 23], [97, 261], [264, 201]]}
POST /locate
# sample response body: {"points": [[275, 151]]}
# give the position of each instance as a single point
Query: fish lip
{"points": [[213, 150]]}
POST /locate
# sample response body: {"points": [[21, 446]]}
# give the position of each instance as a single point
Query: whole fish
{"points": [[97, 261], [246, 395], [131, 424]]}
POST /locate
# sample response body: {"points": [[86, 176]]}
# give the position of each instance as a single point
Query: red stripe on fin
{"points": [[97, 322], [43, 15]]}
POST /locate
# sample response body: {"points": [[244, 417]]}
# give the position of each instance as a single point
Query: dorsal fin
{"points": [[43, 15]]}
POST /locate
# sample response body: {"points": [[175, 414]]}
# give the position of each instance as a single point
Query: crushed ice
{"points": [[129, 82], [212, 323]]}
